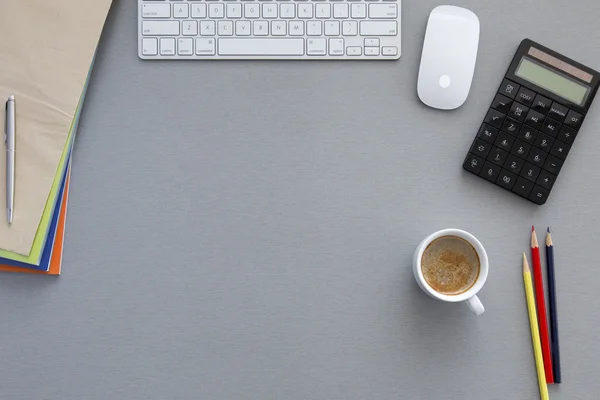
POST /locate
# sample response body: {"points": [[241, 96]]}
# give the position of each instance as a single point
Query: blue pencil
{"points": [[552, 308]]}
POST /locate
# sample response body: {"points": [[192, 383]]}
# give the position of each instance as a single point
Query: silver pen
{"points": [[9, 138]]}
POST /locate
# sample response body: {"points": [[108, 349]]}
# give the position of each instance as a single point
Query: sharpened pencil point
{"points": [[525, 263], [548, 230], [532, 228]]}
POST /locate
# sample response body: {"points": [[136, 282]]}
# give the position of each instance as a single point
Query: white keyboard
{"points": [[269, 29]]}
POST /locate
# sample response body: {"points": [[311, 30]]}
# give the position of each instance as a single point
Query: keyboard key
{"points": [[156, 10], [534, 119], [251, 10], [518, 112], [544, 142], [551, 127], [316, 46], [527, 134], [539, 195], [199, 10], [560, 149], [494, 118], [242, 28], [487, 133], [234, 11], [501, 103], [379, 28], [537, 157], [205, 46], [573, 120], [149, 46], [371, 42], [525, 96], [349, 28], [546, 180], [567, 134], [261, 28], [167, 46], [353, 50], [359, 10], [497, 156], [313, 28], [520, 149], [336, 47], [261, 46], [371, 51], [553, 164], [522, 187], [504, 141], [225, 28], [389, 50], [530, 172], [207, 28], [160, 28], [296, 28], [490, 171], [181, 10], [305, 10], [514, 163], [509, 88], [511, 126], [340, 11], [185, 46], [383, 11], [189, 28], [287, 10], [473, 163], [278, 28], [270, 10], [558, 112], [506, 179], [541, 104], [332, 28], [323, 10], [481, 148]]}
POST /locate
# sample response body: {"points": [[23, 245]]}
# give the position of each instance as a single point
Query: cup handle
{"points": [[475, 305]]}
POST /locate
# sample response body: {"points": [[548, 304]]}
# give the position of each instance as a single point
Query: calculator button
{"points": [[501, 103], [539, 195], [553, 164], [537, 157], [546, 180], [558, 112], [530, 172], [481, 148], [504, 141], [541, 104], [514, 164], [525, 96], [473, 163], [490, 171], [535, 119], [551, 127], [527, 134], [567, 134], [487, 133], [518, 112], [560, 149], [520, 149], [497, 156], [573, 120], [522, 187], [511, 126], [494, 118], [544, 142], [509, 88], [506, 179]]}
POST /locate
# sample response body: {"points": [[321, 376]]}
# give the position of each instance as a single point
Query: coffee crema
{"points": [[450, 265]]}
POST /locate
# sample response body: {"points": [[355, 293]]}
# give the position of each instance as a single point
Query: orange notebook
{"points": [[57, 251]]}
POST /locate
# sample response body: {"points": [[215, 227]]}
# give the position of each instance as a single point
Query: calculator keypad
{"points": [[523, 142]]}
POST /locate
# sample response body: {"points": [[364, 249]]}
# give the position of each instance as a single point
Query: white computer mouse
{"points": [[448, 58]]}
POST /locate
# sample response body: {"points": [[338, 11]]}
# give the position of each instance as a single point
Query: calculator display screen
{"points": [[552, 81]]}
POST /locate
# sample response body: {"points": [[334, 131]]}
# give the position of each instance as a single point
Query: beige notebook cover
{"points": [[46, 48]]}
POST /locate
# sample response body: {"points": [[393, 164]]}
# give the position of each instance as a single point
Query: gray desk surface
{"points": [[244, 230]]}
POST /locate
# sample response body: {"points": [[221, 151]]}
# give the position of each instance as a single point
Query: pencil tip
{"points": [[532, 228], [548, 230]]}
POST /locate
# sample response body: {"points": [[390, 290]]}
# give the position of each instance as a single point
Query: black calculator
{"points": [[532, 122]]}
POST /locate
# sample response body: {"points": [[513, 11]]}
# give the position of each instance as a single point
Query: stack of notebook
{"points": [[46, 57]]}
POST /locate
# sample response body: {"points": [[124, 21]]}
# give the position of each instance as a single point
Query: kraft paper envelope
{"points": [[46, 49]]}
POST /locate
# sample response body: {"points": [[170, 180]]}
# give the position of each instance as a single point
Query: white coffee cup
{"points": [[470, 296]]}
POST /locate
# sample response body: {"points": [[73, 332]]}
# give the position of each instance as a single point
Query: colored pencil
{"points": [[538, 282], [535, 336], [552, 308]]}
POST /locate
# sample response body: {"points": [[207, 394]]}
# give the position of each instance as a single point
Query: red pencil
{"points": [[541, 306]]}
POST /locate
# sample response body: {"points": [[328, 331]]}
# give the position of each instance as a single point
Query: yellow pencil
{"points": [[535, 333]]}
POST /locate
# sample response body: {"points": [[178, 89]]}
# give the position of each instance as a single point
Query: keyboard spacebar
{"points": [[261, 47]]}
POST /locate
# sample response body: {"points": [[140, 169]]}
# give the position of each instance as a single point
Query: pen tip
{"points": [[11, 98], [9, 215]]}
